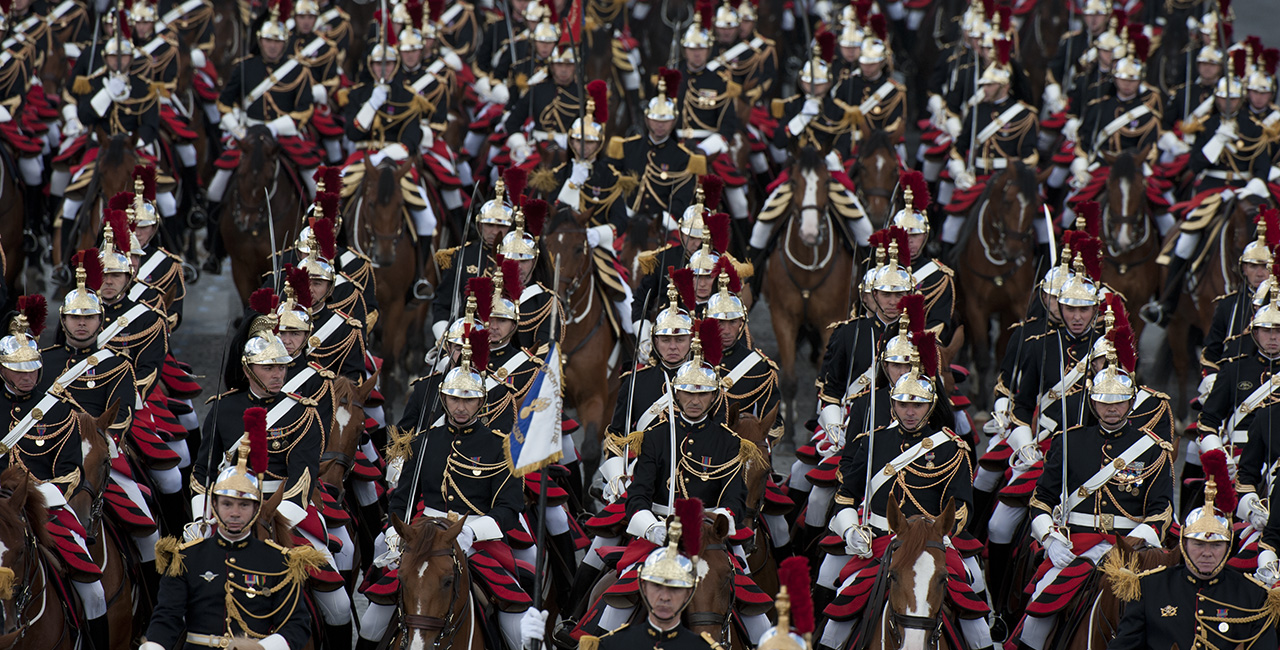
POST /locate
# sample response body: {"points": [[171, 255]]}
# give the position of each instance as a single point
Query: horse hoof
{"points": [[62, 276], [190, 274]]}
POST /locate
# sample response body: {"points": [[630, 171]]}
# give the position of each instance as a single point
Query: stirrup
{"points": [[423, 290], [1154, 313]]}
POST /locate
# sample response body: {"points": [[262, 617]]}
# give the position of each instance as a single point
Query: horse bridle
{"points": [[23, 597], [899, 622], [259, 210], [445, 627], [713, 619]]}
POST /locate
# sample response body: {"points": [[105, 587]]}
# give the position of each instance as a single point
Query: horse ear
{"points": [[366, 387], [104, 421], [405, 530], [721, 527], [894, 515], [944, 524], [455, 528], [404, 168], [368, 166]]}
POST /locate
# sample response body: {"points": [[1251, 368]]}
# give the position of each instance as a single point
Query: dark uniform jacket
{"points": [[828, 129], [289, 96], [641, 390], [664, 170], [1178, 609], [643, 635], [1014, 141], [139, 113], [51, 448], [1046, 360], [552, 107], [1253, 148], [341, 351], [707, 103], [943, 472], [710, 466], [110, 382], [1236, 381], [650, 295], [849, 353], [756, 391], [144, 340], [165, 276], [1134, 134], [397, 120], [469, 261], [1228, 330]]}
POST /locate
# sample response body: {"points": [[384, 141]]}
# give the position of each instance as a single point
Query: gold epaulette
{"points": [[219, 396], [444, 257], [169, 558], [648, 260], [81, 85], [749, 452], [301, 560], [698, 164], [615, 147], [543, 179], [343, 97], [588, 642], [778, 108], [627, 183], [1229, 294], [1125, 576]]}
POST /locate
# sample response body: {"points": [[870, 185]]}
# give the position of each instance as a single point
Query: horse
{"points": [[1039, 37], [1217, 274], [1130, 234], [760, 564], [12, 224], [994, 258], [34, 616], [912, 614], [588, 337], [812, 272], [1121, 566], [377, 227], [711, 607], [112, 174], [437, 607], [263, 203], [875, 174], [341, 445]]}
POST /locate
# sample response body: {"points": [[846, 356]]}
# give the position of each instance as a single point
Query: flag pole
{"points": [[540, 554]]}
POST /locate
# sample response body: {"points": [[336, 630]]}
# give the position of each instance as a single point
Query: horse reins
{"points": [[447, 627], [724, 619], [899, 622]]}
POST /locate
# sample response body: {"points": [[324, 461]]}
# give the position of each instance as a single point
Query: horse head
{"points": [[1125, 216], [96, 446], [809, 178], [379, 225], [24, 541], [340, 453], [113, 169], [711, 606], [1008, 215], [259, 158], [755, 430], [917, 579], [876, 174], [434, 584], [565, 240]]}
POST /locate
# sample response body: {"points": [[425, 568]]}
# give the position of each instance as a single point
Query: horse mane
{"points": [[115, 151], [563, 216], [1125, 166], [876, 140], [387, 185], [427, 531], [809, 158], [34, 511], [1028, 186], [911, 545]]}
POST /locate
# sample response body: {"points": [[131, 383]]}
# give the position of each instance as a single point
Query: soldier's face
{"points": [[21, 5], [730, 330], [895, 371], [1112, 415], [871, 70], [694, 405], [665, 602], [704, 286], [526, 271], [562, 73], [1228, 105], [304, 24], [144, 234], [726, 35], [1209, 71], [319, 291], [462, 410], [915, 244], [293, 341], [1095, 23], [1203, 558], [690, 243], [1127, 87], [144, 29], [1268, 339], [887, 304], [113, 285], [543, 50], [118, 63], [21, 382], [696, 57], [584, 149], [234, 514], [746, 28], [411, 58], [81, 329], [500, 331], [910, 414], [269, 378], [672, 349], [814, 90], [850, 54], [993, 92], [1254, 274], [271, 48], [1051, 306], [518, 7], [492, 233], [382, 69], [659, 129], [1259, 100], [1077, 319]]}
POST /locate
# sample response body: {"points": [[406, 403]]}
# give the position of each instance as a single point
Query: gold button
{"points": [[451, 497], [231, 574], [232, 560]]}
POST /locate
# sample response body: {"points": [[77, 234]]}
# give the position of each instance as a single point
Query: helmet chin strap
{"points": [[254, 382]]}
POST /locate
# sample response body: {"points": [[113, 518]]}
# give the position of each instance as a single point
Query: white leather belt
{"points": [[695, 133], [660, 510], [272, 486], [1228, 176], [1240, 436], [1102, 522], [996, 163], [208, 640], [545, 135]]}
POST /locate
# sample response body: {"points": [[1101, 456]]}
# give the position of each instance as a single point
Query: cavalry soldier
{"points": [[158, 268], [233, 587], [337, 343], [541, 313], [323, 58], [23, 142], [501, 34], [655, 265], [334, 23], [880, 99], [1131, 495], [749, 377], [457, 468], [757, 70], [476, 257], [518, 67], [662, 167], [927, 468], [933, 278], [553, 100], [1193, 101], [43, 436], [1074, 48], [1198, 602], [814, 118]]}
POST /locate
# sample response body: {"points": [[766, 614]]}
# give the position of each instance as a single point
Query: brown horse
{"points": [[875, 174], [437, 608], [34, 616], [1121, 567], [12, 224], [995, 263], [230, 31], [761, 565], [1039, 38], [912, 614], [1130, 233], [378, 227], [811, 273], [588, 338], [711, 607], [341, 445], [112, 173], [262, 200]]}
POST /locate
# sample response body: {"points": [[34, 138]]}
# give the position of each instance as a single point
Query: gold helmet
{"points": [[747, 11], [874, 50], [410, 39], [727, 16], [1229, 88], [522, 242], [142, 11], [793, 576], [817, 69], [1207, 523], [895, 276], [1000, 70], [1210, 53], [504, 304], [457, 332], [144, 211], [698, 374], [901, 348], [974, 20], [703, 261], [1134, 62], [294, 312], [698, 34], [1259, 250], [274, 28], [1262, 78], [83, 300], [1057, 276], [263, 347], [1112, 384], [115, 257], [306, 8], [242, 481], [20, 350], [464, 381], [563, 52], [384, 53], [913, 217], [119, 47], [1268, 315], [916, 386], [1097, 8], [321, 250], [590, 127], [495, 211], [692, 223], [674, 320], [663, 105], [546, 27], [724, 304], [666, 565], [1080, 289], [851, 34]]}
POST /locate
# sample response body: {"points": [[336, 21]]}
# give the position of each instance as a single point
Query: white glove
{"points": [[283, 126], [1053, 101], [198, 59], [831, 419], [857, 541], [533, 626], [231, 123], [117, 88], [1251, 509], [500, 94], [656, 533], [1232, 468], [451, 60], [467, 539], [797, 124], [1025, 457], [964, 181], [519, 148], [952, 126], [714, 144], [581, 172], [600, 236], [1071, 129], [593, 238], [198, 529], [640, 10], [379, 96], [319, 94], [72, 128], [392, 554], [1172, 144], [1206, 385], [811, 107], [955, 167], [1058, 550], [1080, 172], [1268, 568], [935, 105], [1226, 129]]}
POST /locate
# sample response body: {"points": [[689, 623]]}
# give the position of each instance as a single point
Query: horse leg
{"points": [[978, 320], [784, 330]]}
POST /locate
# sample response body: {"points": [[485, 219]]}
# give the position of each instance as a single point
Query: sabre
{"points": [[871, 437], [540, 556], [1063, 401], [382, 40], [1053, 245], [671, 420]]}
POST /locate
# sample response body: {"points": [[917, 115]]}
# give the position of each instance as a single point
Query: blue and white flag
{"points": [[535, 441]]}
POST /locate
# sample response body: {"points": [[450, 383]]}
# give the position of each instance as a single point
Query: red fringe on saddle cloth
{"points": [[1065, 586], [492, 564], [19, 141], [176, 124], [64, 526], [303, 153], [722, 166], [122, 510], [177, 379], [327, 124], [1154, 187], [826, 474], [962, 200]]}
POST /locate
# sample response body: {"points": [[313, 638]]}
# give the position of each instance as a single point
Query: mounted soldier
{"points": [[541, 312], [323, 58]]}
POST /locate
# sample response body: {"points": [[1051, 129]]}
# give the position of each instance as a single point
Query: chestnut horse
{"points": [[1130, 235], [811, 272], [995, 263], [875, 174], [1121, 567], [587, 335], [34, 615], [262, 200], [378, 227], [12, 224], [711, 607], [912, 614], [341, 445], [437, 607], [112, 174]]}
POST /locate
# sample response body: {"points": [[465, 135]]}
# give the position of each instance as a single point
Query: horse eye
{"points": [[447, 582]]}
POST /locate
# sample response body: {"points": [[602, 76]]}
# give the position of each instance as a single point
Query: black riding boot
{"points": [[564, 562], [422, 289], [583, 581], [151, 580], [999, 557], [33, 213], [982, 503], [1159, 313], [338, 637], [173, 513], [213, 242], [97, 633]]}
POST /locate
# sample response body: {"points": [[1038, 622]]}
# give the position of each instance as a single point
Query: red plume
{"points": [[899, 235], [827, 46], [121, 201], [553, 14], [1270, 57], [1091, 254], [286, 10], [263, 301], [482, 289], [1091, 212], [706, 14], [1238, 63], [1141, 47], [1271, 217], [599, 92], [927, 345], [330, 176], [301, 283], [1254, 43], [1121, 19], [1133, 30], [118, 222], [535, 216], [690, 512], [880, 27], [1224, 10], [1121, 337], [88, 258], [1006, 18], [414, 7], [515, 179], [877, 240], [726, 265], [862, 9], [36, 309], [718, 227], [479, 340], [512, 287], [1227, 33], [919, 189], [1116, 303], [989, 8], [122, 24], [435, 9], [709, 334], [255, 427], [329, 203], [1004, 48], [325, 238], [671, 78], [683, 279], [1214, 462], [148, 174], [793, 573], [912, 305], [712, 190]]}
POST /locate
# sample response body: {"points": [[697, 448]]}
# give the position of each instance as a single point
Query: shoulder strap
{"points": [[1100, 478], [905, 458]]}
